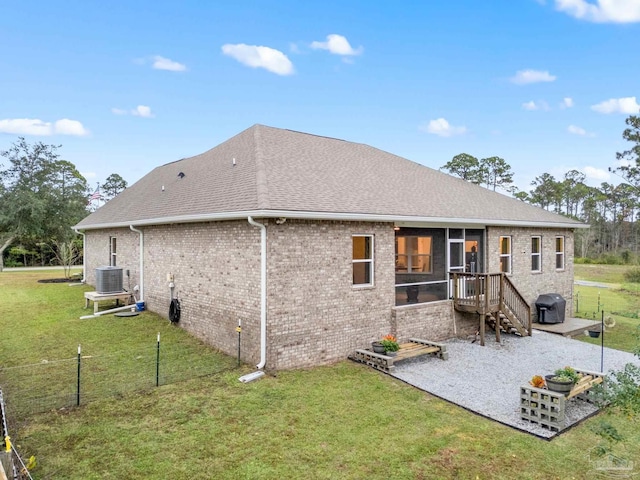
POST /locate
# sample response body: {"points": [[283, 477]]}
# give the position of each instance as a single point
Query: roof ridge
{"points": [[262, 187]]}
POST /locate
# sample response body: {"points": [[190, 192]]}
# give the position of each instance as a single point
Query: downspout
{"points": [[141, 279], [84, 249], [263, 291]]}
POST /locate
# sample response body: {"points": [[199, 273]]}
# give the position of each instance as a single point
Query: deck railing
{"points": [[486, 293], [515, 302]]}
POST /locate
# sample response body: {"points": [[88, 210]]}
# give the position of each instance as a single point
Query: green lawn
{"points": [[344, 421], [601, 273]]}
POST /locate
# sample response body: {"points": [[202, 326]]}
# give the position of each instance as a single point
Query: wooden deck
{"points": [[571, 327], [412, 349]]}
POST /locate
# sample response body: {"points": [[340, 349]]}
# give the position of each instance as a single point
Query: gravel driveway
{"points": [[487, 379]]}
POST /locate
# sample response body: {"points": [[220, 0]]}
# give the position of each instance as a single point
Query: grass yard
{"points": [[344, 421]]}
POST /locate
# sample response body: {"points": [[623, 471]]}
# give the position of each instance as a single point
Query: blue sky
{"points": [[127, 86]]}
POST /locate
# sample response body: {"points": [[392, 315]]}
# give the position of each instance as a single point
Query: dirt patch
{"points": [[54, 280]]}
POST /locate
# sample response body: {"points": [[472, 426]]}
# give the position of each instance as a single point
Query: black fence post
{"points": [[239, 330], [158, 362], [78, 386], [602, 343]]}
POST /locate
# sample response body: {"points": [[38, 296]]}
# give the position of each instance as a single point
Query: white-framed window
{"points": [[414, 254], [112, 251], [536, 254], [505, 254], [560, 253], [362, 260]]}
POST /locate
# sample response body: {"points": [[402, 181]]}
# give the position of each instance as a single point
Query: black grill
{"points": [[550, 308]]}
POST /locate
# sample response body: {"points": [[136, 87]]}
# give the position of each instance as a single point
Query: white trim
{"points": [[506, 255], [561, 253], [538, 253], [400, 220], [370, 261]]}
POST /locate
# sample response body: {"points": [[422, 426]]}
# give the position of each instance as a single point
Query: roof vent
{"points": [[181, 174]]}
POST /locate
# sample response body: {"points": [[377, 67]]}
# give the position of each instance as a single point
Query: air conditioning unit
{"points": [[109, 280]]}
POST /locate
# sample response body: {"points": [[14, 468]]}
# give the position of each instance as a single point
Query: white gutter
{"points": [[338, 216], [84, 249], [141, 279], [263, 291]]}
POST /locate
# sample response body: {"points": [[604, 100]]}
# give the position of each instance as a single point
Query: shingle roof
{"points": [[266, 171]]}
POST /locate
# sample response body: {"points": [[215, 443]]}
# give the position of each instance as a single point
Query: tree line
{"points": [[611, 210], [41, 197]]}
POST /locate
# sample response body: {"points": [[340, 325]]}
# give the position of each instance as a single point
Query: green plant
{"points": [[632, 275], [390, 343], [566, 374]]}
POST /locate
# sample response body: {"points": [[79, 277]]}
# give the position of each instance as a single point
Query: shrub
{"points": [[632, 275]]}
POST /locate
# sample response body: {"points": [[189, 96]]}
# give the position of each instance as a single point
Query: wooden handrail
{"points": [[486, 293], [515, 302]]}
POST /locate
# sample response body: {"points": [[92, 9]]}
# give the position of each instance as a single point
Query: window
{"points": [[413, 254], [559, 253], [362, 260], [536, 254], [112, 251], [505, 254]]}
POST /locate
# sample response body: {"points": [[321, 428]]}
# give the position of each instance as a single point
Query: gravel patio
{"points": [[487, 380]]}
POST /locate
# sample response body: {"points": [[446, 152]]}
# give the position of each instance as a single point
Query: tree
{"points": [[465, 166], [113, 185], [41, 196], [546, 191], [497, 173], [629, 159]]}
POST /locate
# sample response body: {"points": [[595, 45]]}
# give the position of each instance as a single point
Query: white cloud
{"points": [[162, 63], [567, 102], [139, 111], [523, 77], [89, 175], [602, 11], [142, 111], [442, 128], [575, 130], [338, 45], [531, 105], [260, 57], [627, 105], [69, 127], [34, 126], [598, 174]]}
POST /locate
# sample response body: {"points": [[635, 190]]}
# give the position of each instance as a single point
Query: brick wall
{"points": [[531, 284], [316, 315], [426, 321]]}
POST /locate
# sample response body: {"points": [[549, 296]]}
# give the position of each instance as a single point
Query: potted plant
{"points": [[377, 347], [563, 380], [390, 344]]}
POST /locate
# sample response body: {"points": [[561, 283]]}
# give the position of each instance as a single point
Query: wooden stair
{"points": [[411, 349], [495, 299]]}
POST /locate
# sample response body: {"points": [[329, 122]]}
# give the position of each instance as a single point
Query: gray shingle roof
{"points": [[286, 173]]}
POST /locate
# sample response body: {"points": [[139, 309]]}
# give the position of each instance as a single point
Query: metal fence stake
{"points": [[78, 388], [158, 362]]}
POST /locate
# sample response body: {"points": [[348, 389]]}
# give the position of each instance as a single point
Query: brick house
{"points": [[319, 246]]}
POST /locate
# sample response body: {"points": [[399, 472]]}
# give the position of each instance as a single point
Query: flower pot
{"points": [[390, 354], [377, 347], [594, 333], [560, 387]]}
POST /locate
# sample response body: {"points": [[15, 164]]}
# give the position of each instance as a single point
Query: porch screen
{"points": [[420, 265]]}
